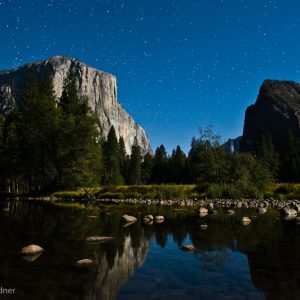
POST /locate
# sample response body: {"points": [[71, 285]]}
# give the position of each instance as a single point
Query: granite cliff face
{"points": [[98, 86], [232, 145], [276, 112]]}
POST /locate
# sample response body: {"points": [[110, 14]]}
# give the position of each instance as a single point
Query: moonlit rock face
{"points": [[275, 112], [98, 86]]}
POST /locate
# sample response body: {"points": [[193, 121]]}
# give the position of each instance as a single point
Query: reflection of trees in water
{"points": [[212, 261], [62, 232], [269, 244]]}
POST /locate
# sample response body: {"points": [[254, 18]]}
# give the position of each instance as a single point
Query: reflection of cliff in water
{"points": [[277, 272], [62, 233], [271, 245], [109, 279]]}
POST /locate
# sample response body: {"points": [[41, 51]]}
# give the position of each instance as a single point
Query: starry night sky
{"points": [[180, 64]]}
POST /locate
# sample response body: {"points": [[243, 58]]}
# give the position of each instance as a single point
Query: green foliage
{"points": [[207, 159], [147, 192], [46, 145]]}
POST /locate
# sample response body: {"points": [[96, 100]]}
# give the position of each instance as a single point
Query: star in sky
{"points": [[180, 65]]}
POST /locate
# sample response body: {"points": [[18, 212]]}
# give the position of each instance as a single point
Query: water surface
{"points": [[231, 261]]}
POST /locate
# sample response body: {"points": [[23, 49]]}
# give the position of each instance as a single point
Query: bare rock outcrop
{"points": [[100, 88]]}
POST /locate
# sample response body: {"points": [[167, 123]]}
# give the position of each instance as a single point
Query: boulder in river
{"points": [[230, 212], [31, 258], [31, 250], [203, 226], [261, 210], [128, 224], [203, 210], [84, 262], [148, 221], [246, 221], [289, 211], [99, 239], [187, 248], [149, 217], [128, 218], [159, 219]]}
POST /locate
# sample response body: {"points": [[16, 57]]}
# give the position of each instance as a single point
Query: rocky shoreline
{"points": [[210, 203]]}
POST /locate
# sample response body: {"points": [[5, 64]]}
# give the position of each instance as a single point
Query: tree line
{"points": [[281, 158], [48, 144]]}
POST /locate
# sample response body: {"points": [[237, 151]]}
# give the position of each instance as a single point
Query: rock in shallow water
{"points": [[261, 210], [149, 217], [187, 248], [128, 224], [99, 239], [31, 250], [84, 262], [31, 258], [246, 221], [289, 212], [128, 218], [203, 226], [203, 210]]}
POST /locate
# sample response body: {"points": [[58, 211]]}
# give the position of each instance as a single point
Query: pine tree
{"points": [[112, 159], [147, 168], [177, 166], [135, 163], [290, 159], [80, 154], [28, 132], [124, 160], [267, 155], [160, 171]]}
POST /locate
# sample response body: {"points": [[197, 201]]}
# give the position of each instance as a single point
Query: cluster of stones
{"points": [[289, 210], [227, 203]]}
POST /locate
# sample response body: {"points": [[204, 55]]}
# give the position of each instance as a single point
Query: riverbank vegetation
{"points": [[280, 191], [50, 144]]}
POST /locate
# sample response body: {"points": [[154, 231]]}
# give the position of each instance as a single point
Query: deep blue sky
{"points": [[180, 64]]}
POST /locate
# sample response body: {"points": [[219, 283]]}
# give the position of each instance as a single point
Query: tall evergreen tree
{"points": [[80, 154], [112, 159], [290, 159], [267, 155], [135, 163], [124, 160], [177, 166], [160, 165], [147, 168], [28, 132]]}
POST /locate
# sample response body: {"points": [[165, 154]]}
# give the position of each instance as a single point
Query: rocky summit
{"points": [[275, 112], [98, 86]]}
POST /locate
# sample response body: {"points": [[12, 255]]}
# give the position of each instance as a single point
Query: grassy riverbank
{"points": [[281, 191]]}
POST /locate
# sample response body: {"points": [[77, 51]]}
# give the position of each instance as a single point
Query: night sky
{"points": [[180, 65]]}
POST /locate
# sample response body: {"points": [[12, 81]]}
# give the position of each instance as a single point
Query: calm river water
{"points": [[231, 261]]}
